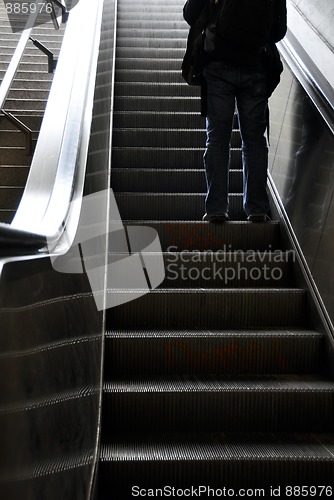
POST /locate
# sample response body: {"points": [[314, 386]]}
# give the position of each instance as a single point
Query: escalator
{"points": [[221, 376], [218, 377]]}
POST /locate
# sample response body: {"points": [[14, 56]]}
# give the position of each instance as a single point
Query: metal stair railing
{"points": [[57, 170]]}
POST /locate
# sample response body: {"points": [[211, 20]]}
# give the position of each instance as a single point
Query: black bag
{"points": [[273, 66], [195, 57], [246, 23]]}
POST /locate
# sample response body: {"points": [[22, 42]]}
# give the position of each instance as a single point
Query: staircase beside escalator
{"points": [[26, 101], [217, 378]]}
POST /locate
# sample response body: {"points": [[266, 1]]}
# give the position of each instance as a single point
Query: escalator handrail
{"points": [[57, 170]]}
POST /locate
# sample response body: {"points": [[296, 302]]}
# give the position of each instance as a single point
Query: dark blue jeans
{"points": [[245, 88]]}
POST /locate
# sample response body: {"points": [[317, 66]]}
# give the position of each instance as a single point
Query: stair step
{"points": [[166, 180], [166, 352], [10, 197], [210, 308], [14, 137], [6, 216], [11, 175], [26, 105], [221, 460], [14, 156]]}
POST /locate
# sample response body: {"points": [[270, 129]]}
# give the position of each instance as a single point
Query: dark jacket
{"points": [[232, 53]]}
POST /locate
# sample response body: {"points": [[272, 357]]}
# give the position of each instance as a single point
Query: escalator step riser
{"points": [[230, 353], [243, 410], [147, 76], [155, 89], [150, 42], [165, 158], [148, 64], [158, 120], [162, 33], [146, 206], [181, 271], [165, 138], [208, 309], [160, 181], [150, 53], [158, 104], [158, 15], [201, 236], [169, 25], [224, 474]]}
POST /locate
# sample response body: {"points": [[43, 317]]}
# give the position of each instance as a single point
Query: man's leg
{"points": [[252, 106], [220, 111]]}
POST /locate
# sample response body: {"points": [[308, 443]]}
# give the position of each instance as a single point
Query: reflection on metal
{"points": [[130, 274], [58, 167], [302, 166], [309, 77]]}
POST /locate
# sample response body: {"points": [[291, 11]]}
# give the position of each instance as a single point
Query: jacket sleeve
{"points": [[192, 10], [279, 28]]}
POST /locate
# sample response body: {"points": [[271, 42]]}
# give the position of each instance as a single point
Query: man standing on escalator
{"points": [[236, 77]]}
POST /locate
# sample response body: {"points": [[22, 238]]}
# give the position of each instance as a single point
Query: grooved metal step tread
{"points": [[227, 384], [252, 403], [164, 447]]}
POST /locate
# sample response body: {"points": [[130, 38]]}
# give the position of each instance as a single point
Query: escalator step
{"points": [[170, 206], [152, 42], [210, 308], [166, 180], [187, 158], [221, 404], [225, 270], [151, 52], [165, 138], [219, 460], [164, 104], [201, 236], [148, 64], [138, 75], [166, 352], [140, 119], [149, 88]]}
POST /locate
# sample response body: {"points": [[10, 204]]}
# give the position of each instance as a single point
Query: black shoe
{"points": [[216, 217], [258, 218]]}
